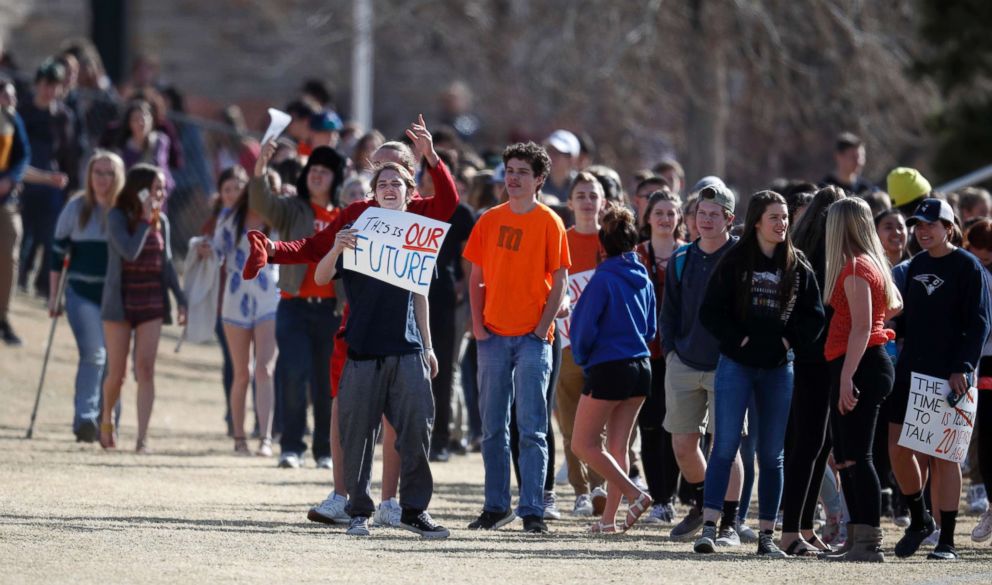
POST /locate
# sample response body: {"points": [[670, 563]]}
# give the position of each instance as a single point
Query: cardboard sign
{"points": [[576, 284], [278, 122], [934, 427], [397, 247]]}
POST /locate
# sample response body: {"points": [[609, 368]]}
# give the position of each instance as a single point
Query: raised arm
{"points": [[119, 238]]}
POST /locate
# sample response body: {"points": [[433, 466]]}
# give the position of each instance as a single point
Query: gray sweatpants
{"points": [[400, 388]]}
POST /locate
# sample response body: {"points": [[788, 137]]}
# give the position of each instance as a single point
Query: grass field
{"points": [[192, 511]]}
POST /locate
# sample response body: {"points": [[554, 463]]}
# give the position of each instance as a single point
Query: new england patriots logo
{"points": [[930, 281]]}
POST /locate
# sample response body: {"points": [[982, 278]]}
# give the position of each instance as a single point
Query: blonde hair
{"points": [[88, 195], [851, 233]]}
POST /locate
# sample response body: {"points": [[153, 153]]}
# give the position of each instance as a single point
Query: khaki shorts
{"points": [[689, 403]]}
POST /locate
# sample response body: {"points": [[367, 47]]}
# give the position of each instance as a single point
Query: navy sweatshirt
{"points": [[766, 319], [946, 319]]}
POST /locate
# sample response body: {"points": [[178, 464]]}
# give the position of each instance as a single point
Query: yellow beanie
{"points": [[906, 185]]}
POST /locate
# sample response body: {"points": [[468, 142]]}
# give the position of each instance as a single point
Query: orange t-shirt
{"points": [[840, 323], [308, 288], [518, 254], [585, 250]]}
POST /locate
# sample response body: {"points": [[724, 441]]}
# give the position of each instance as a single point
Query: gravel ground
{"points": [[70, 513]]}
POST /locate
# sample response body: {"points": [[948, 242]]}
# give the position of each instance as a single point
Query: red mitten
{"points": [[258, 255]]}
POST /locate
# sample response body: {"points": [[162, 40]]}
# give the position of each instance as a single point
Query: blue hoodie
{"points": [[615, 317]]}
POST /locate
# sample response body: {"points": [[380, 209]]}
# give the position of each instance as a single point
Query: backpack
{"points": [[679, 256]]}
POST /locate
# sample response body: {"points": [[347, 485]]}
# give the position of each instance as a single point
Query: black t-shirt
{"points": [[449, 268], [381, 320]]}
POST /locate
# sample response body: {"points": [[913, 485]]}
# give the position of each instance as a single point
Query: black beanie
{"points": [[326, 157]]}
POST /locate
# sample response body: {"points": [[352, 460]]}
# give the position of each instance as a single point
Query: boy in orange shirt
{"points": [[520, 260]]}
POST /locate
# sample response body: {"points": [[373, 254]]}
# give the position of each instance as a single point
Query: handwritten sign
{"points": [[576, 284], [933, 426], [397, 247], [278, 122]]}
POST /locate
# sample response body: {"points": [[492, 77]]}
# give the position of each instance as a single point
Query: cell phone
{"points": [[953, 398]]}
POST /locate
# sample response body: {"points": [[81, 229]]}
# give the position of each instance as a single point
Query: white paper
{"points": [[933, 426], [279, 122], [397, 247], [576, 284]]}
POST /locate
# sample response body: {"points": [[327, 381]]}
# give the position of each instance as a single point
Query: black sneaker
{"points": [[492, 520], [689, 525], [913, 538], [423, 525], [439, 456], [87, 432], [8, 335], [535, 525], [458, 447], [943, 552], [768, 549]]}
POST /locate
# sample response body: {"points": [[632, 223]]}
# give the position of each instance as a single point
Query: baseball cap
{"points": [[931, 210], [326, 121], [719, 194], [564, 142], [707, 181], [906, 185]]}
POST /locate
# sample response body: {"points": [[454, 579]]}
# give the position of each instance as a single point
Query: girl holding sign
{"points": [[946, 323], [859, 287], [664, 228], [388, 372]]}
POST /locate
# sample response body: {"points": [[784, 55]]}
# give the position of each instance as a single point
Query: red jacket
{"points": [[315, 247]]}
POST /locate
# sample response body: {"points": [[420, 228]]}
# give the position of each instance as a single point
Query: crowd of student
{"points": [[789, 338]]}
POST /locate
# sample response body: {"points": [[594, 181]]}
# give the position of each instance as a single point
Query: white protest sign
{"points": [[576, 284], [397, 247], [934, 427], [278, 122]]}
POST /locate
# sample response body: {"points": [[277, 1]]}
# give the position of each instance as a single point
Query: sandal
{"points": [[241, 446], [107, 440], [636, 509], [819, 544], [801, 548], [598, 527]]}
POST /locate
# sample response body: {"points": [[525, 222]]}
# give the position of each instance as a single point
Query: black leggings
{"points": [[807, 445], [854, 433], [549, 476], [661, 470]]}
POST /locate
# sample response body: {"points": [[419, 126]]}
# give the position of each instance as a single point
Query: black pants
{"points": [[442, 323], [661, 470], [983, 421], [549, 478], [854, 432], [807, 445]]}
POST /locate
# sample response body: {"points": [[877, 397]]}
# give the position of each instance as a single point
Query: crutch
{"points": [[51, 337]]}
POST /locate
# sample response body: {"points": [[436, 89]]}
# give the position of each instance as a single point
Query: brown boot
{"points": [[868, 546], [852, 533]]}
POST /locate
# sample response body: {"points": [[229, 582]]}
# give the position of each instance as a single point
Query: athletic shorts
{"points": [[619, 379]]}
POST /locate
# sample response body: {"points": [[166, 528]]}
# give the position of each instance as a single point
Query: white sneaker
{"points": [[330, 511], [359, 526], [561, 478], [983, 531], [583, 506], [387, 513], [551, 511], [746, 533], [932, 539], [659, 514], [289, 461], [325, 463], [977, 499]]}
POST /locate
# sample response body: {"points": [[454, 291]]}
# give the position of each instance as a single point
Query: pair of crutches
{"points": [[51, 337]]}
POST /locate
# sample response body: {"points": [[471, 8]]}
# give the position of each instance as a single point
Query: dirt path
{"points": [[70, 513]]}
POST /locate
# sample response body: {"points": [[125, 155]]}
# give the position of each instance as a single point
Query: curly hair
{"points": [[531, 153]]}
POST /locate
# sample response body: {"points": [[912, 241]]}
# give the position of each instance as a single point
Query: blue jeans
{"points": [[87, 327], [514, 370], [305, 336], [771, 389], [749, 445]]}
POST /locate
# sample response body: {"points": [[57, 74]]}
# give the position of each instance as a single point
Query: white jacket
{"points": [[201, 283]]}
